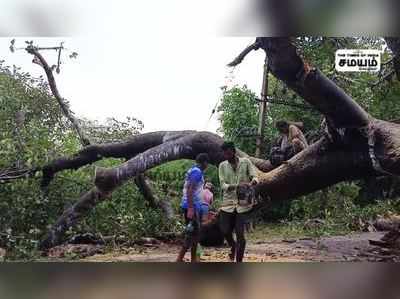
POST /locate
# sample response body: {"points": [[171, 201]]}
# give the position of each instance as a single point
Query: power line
{"points": [[229, 78], [285, 102]]}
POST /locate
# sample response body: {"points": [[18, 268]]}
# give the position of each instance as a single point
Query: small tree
{"points": [[239, 117]]}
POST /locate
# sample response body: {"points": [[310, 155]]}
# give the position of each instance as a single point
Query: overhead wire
{"points": [[229, 79]]}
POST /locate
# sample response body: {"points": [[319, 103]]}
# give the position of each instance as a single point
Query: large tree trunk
{"points": [[355, 146], [394, 45]]}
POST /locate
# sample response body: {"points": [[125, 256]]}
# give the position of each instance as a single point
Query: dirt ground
{"points": [[351, 248]]}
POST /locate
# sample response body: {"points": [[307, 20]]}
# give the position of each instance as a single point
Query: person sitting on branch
{"points": [[291, 142]]}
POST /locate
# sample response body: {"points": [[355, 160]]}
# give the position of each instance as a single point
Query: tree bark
{"points": [[92, 153]]}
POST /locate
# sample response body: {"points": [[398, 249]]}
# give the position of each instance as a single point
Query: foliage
{"points": [[34, 132], [239, 115], [112, 130], [341, 215], [239, 110], [33, 128], [338, 209]]}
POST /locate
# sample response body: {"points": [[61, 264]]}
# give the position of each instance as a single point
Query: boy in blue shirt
{"points": [[192, 204]]}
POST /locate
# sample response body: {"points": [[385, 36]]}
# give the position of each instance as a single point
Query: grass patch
{"points": [[295, 230]]}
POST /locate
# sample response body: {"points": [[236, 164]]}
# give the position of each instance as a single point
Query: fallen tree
{"points": [[355, 145], [90, 152]]}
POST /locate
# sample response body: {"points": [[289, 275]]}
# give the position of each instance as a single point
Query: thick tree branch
{"points": [[106, 180], [10, 174], [128, 149], [161, 147], [394, 45], [146, 191], [319, 166], [386, 146], [255, 46], [71, 216], [162, 204], [186, 147], [313, 86], [92, 153], [53, 87]]}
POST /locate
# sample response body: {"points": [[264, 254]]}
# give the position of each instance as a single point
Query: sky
{"points": [[162, 62]]}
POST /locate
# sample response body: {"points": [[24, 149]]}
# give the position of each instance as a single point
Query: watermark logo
{"points": [[358, 60]]}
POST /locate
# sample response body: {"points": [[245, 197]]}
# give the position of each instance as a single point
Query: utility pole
{"points": [[262, 112]]}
